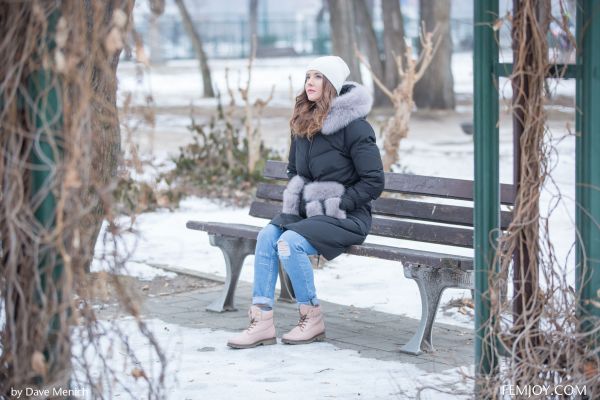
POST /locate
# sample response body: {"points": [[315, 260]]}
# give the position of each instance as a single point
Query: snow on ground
{"points": [[200, 365], [139, 270]]}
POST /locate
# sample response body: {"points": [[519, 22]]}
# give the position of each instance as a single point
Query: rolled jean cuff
{"points": [[313, 302], [263, 300]]}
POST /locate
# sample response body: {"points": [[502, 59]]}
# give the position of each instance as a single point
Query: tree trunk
{"points": [[393, 41], [107, 141], [253, 20], [341, 21], [155, 42], [198, 49], [157, 6], [364, 25], [436, 89]]}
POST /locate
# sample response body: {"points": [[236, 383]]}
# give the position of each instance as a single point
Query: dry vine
{"points": [[59, 149], [535, 332]]}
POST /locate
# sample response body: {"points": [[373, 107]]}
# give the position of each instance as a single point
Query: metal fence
{"points": [[229, 37]]}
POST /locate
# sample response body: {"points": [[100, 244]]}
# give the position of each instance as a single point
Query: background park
{"points": [[126, 123]]}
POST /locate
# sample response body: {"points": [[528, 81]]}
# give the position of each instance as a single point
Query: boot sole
{"points": [[319, 338], [249, 346]]}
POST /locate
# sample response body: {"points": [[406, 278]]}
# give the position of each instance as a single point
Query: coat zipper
{"points": [[308, 157]]}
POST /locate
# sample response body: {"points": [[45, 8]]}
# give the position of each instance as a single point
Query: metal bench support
{"points": [[432, 282], [235, 251], [286, 294]]}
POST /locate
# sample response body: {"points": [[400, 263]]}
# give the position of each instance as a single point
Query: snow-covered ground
{"points": [[201, 366]]}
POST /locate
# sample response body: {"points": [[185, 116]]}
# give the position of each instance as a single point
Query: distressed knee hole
{"points": [[283, 248]]}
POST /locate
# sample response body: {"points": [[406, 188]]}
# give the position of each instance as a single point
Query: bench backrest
{"points": [[423, 220]]}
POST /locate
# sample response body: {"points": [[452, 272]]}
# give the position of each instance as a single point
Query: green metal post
{"points": [[587, 192], [44, 110], [487, 180]]}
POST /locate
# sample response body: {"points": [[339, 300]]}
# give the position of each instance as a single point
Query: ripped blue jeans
{"points": [[272, 245]]}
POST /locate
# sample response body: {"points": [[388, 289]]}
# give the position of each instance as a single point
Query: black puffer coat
{"points": [[344, 151]]}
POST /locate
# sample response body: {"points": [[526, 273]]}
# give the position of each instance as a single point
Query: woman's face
{"points": [[314, 85]]}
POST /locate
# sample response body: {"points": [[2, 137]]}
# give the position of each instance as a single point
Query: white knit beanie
{"points": [[334, 69]]}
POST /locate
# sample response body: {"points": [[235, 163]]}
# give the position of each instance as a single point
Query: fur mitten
{"points": [[332, 208], [292, 195], [324, 197]]}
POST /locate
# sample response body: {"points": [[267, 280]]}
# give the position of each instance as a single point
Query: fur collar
{"points": [[353, 102]]}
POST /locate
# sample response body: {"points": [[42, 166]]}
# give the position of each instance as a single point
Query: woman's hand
{"points": [[332, 208], [329, 207], [292, 195]]}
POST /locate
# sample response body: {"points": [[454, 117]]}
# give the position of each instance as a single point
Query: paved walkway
{"points": [[373, 334]]}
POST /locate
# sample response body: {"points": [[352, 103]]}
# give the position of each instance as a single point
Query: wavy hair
{"points": [[308, 117]]}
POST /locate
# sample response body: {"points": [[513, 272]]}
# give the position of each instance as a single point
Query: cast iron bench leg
{"points": [[286, 294], [431, 282], [235, 251]]}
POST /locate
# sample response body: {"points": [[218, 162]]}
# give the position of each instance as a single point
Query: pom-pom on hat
{"points": [[333, 67]]}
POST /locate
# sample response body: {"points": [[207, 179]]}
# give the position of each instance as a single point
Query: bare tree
{"points": [[252, 125], [364, 26], [253, 20], [436, 89], [401, 96], [157, 6], [342, 22], [383, 62], [393, 40], [156, 54], [196, 39], [58, 176]]}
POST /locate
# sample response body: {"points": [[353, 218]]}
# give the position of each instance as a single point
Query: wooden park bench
{"points": [[414, 220]]}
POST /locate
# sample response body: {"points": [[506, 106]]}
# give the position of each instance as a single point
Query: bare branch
{"points": [[377, 81]]}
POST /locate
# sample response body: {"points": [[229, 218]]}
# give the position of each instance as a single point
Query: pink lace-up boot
{"points": [[260, 331], [310, 328]]}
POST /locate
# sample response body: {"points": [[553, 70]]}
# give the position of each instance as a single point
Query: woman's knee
{"points": [[289, 241], [268, 235]]}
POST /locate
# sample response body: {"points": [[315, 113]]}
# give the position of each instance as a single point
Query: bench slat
{"points": [[444, 213], [432, 259], [450, 188], [438, 234], [404, 255], [225, 229]]}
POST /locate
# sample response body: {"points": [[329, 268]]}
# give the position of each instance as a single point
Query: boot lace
{"points": [[253, 322], [303, 321]]}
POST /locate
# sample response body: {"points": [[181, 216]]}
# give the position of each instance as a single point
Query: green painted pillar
{"points": [[587, 191], [44, 111], [487, 181]]}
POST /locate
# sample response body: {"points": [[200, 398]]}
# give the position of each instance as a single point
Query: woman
{"points": [[335, 171]]}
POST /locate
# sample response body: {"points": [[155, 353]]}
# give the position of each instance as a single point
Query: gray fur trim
{"points": [[296, 184], [313, 208], [291, 195], [291, 203], [355, 103], [323, 190], [332, 208]]}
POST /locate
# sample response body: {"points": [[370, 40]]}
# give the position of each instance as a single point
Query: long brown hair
{"points": [[308, 117]]}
